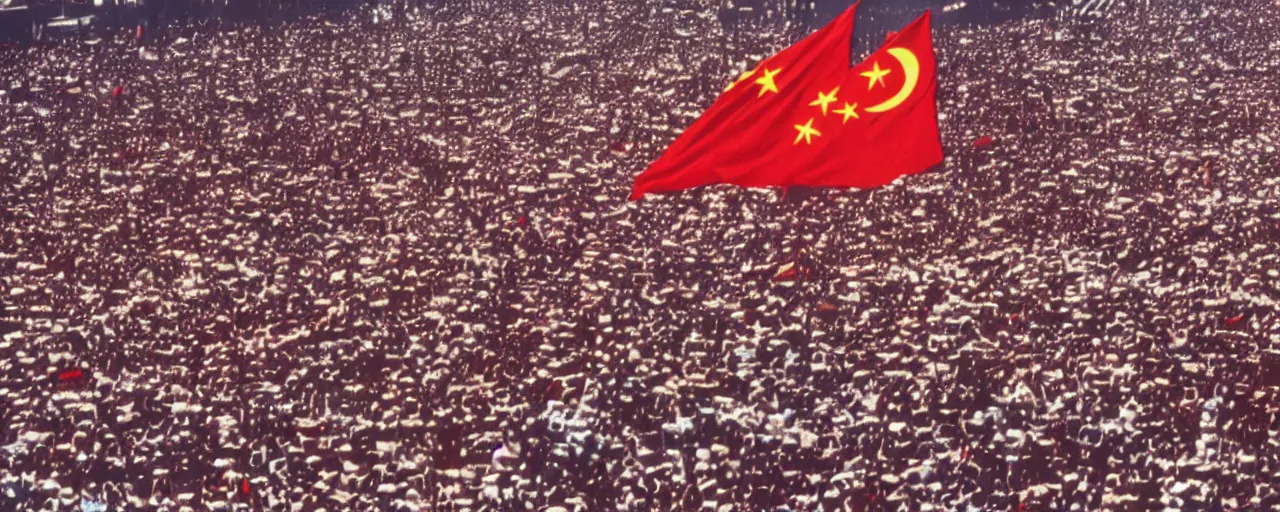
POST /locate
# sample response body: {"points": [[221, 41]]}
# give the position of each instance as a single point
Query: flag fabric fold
{"points": [[806, 117]]}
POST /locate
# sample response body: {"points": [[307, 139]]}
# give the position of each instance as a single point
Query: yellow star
{"points": [[766, 82], [740, 79], [876, 75], [825, 99], [849, 111], [806, 132]]}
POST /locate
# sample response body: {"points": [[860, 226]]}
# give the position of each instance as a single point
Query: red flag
{"points": [[805, 117], [983, 142], [619, 148], [790, 272], [1231, 321], [554, 390], [115, 93], [70, 375]]}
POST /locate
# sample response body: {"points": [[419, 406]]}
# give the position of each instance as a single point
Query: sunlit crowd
{"points": [[385, 261]]}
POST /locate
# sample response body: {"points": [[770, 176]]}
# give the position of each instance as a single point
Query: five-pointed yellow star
{"points": [[766, 82], [849, 111], [825, 99], [806, 132], [744, 76], [876, 75]]}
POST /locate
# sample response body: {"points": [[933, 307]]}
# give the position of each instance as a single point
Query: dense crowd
{"points": [[357, 265]]}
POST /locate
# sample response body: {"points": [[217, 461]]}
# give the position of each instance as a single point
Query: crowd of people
{"points": [[386, 262]]}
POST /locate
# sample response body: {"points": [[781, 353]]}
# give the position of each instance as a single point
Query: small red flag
{"points": [[790, 272], [805, 117], [1231, 321], [70, 375], [619, 148], [139, 32], [244, 486], [983, 142], [115, 93], [553, 391]]}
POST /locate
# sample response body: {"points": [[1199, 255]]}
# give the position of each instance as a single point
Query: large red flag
{"points": [[805, 117]]}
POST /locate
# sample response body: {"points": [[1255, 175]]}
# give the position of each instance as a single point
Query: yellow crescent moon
{"points": [[911, 67]]}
